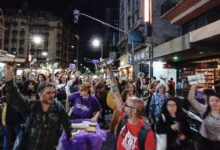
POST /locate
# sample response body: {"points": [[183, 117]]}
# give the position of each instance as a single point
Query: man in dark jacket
{"points": [[44, 116]]}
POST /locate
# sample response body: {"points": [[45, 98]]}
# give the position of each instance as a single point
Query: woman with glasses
{"points": [[172, 122], [84, 103], [210, 114]]}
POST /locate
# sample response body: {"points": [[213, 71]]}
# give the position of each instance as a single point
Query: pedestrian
{"points": [[172, 122], [11, 121], [44, 116], [157, 101], [133, 123], [84, 103], [210, 114]]}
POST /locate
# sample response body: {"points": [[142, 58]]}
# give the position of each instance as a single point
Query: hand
{"points": [[71, 139], [175, 127], [94, 119], [181, 137], [9, 72]]}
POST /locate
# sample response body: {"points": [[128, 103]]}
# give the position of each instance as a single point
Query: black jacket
{"points": [[172, 136]]}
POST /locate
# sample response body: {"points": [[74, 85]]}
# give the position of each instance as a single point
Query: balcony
{"points": [[182, 11], [22, 32], [14, 40], [15, 32], [21, 50], [21, 41], [15, 23]]}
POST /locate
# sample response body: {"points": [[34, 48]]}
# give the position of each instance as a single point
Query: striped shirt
{"points": [[210, 127]]}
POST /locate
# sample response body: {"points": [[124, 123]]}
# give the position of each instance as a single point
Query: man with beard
{"points": [[44, 116], [129, 136]]}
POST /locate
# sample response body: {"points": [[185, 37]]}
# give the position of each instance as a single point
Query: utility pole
{"points": [[77, 14]]}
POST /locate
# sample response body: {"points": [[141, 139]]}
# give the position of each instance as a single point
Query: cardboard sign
{"points": [[196, 79]]}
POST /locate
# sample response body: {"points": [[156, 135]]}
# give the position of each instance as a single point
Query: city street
{"points": [[109, 75]]}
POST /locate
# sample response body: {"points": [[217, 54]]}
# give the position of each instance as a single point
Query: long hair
{"points": [[208, 109], [179, 111], [26, 84], [45, 79]]}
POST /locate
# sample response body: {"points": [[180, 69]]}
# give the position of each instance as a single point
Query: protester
{"points": [[44, 116], [11, 121], [29, 89], [172, 122], [132, 109], [210, 114], [41, 78], [84, 103], [61, 89], [157, 101], [101, 94]]}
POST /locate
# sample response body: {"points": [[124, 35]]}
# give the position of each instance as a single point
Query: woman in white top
{"points": [[210, 114]]}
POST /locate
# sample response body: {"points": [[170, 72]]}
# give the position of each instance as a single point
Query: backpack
{"points": [[61, 93], [111, 140], [141, 135]]}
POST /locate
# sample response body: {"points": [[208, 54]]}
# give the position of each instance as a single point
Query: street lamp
{"points": [[97, 43], [37, 39], [44, 53]]}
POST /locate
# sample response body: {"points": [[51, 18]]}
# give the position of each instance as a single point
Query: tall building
{"points": [[196, 50], [141, 20], [2, 29], [37, 33], [111, 35]]}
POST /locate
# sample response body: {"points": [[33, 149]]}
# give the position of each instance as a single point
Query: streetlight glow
{"points": [[96, 43], [37, 39], [44, 53]]}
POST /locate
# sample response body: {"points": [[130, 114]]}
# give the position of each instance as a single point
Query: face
{"points": [[131, 88], [63, 79], [120, 80], [144, 81], [128, 108], [47, 97], [162, 89], [171, 107], [41, 78], [84, 93], [31, 86], [214, 103]]}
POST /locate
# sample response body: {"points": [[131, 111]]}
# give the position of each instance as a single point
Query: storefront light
{"points": [[158, 64]]}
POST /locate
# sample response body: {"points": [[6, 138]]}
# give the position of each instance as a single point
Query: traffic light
{"points": [[76, 15]]}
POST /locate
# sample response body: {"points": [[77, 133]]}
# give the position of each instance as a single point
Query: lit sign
{"points": [[147, 10]]}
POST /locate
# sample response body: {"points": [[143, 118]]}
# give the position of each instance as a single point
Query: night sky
{"points": [[87, 29]]}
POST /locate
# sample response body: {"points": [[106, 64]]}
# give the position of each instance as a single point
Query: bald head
{"points": [[136, 103]]}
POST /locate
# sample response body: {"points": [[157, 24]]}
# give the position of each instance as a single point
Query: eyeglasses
{"points": [[171, 105], [126, 105]]}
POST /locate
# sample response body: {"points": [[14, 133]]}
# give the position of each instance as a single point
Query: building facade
{"points": [[23, 27], [111, 35], [196, 50], [2, 29], [141, 20]]}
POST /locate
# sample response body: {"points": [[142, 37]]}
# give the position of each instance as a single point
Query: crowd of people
{"points": [[147, 114]]}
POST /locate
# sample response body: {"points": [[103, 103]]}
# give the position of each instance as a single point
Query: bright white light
{"points": [[146, 10], [37, 39], [44, 53], [158, 64], [96, 43], [72, 46]]}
